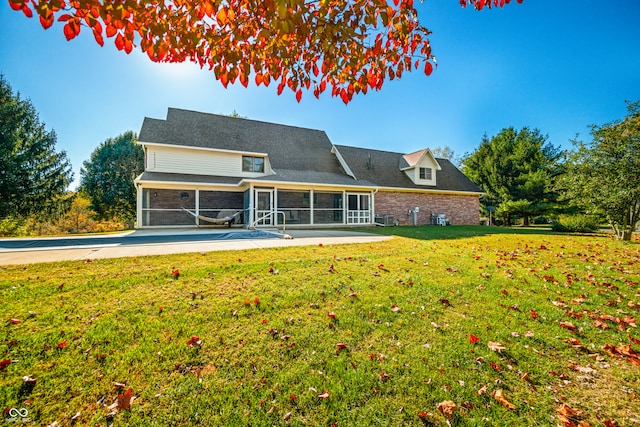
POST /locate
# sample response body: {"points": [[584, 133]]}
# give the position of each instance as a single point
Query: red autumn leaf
{"points": [[62, 344], [568, 325], [331, 315], [256, 301], [428, 68], [299, 95], [534, 315], [473, 339], [16, 5], [14, 321], [123, 401], [324, 395], [341, 346], [4, 364], [395, 308], [195, 341], [264, 321]]}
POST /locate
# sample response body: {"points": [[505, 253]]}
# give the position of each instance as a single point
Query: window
{"points": [[252, 164], [425, 173]]}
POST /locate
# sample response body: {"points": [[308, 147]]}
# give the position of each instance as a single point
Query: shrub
{"points": [[10, 226], [576, 224]]}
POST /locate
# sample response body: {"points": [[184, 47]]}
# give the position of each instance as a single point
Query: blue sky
{"points": [[558, 66]]}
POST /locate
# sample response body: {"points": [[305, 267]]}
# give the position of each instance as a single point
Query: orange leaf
{"points": [[119, 40], [68, 31], [111, 30], [570, 326], [473, 339], [222, 17], [499, 396]]}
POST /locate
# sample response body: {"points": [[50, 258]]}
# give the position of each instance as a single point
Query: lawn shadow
{"points": [[430, 232]]}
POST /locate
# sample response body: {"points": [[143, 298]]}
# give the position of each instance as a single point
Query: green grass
{"points": [[405, 309]]}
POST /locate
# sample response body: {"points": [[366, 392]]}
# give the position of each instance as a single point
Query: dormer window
{"points": [[425, 174], [252, 164]]}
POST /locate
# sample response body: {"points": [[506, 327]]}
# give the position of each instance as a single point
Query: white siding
{"points": [[198, 162], [425, 162]]}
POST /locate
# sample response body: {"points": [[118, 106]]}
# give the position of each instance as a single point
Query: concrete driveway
{"points": [[166, 241]]}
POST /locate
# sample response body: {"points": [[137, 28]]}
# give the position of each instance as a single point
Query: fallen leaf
{"points": [[324, 395], [4, 364], [124, 400], [568, 325], [331, 315], [568, 416], [287, 416], [473, 339], [194, 341], [447, 408], [395, 308], [499, 396], [496, 346]]}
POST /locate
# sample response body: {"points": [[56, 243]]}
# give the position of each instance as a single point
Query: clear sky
{"points": [[558, 66]]}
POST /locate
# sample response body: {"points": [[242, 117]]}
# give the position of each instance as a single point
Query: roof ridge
{"points": [[224, 116]]}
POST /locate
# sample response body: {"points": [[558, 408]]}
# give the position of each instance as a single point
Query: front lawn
{"points": [[475, 328]]}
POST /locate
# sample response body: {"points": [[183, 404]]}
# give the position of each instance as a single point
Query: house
{"points": [[203, 169]]}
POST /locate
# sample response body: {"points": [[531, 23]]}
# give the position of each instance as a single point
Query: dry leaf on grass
{"points": [[496, 346], [447, 408], [499, 396]]}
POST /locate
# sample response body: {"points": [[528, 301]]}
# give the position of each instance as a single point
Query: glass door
{"points": [[358, 210], [264, 207]]}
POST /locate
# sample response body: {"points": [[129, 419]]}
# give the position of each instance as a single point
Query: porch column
{"points": [[197, 207]]}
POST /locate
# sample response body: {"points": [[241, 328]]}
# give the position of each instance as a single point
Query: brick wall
{"points": [[459, 209]]}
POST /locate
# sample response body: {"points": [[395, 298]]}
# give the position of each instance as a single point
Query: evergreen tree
{"points": [[516, 170], [33, 176]]}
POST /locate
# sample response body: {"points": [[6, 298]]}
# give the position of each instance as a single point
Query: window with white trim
{"points": [[252, 164], [425, 174]]}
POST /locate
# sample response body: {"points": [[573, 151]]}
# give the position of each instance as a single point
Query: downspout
{"points": [[373, 205]]}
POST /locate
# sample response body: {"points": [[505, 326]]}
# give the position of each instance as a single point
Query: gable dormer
{"points": [[421, 167]]}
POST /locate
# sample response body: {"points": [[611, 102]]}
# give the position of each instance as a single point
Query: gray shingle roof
{"points": [[313, 177], [296, 154], [190, 178], [288, 147], [383, 169]]}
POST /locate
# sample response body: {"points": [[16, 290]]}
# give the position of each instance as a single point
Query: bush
{"points": [[576, 224], [10, 226]]}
